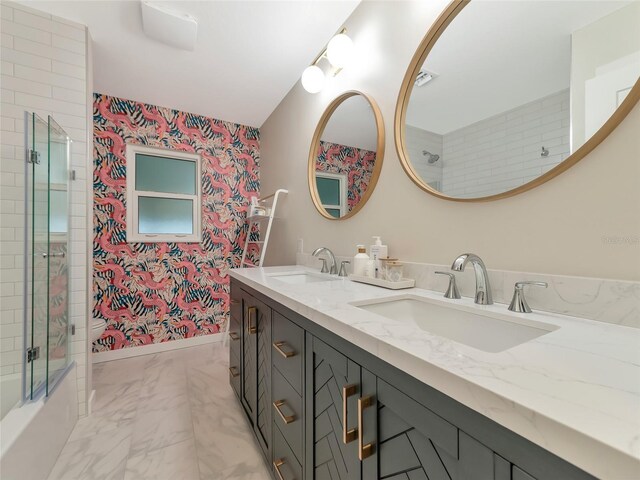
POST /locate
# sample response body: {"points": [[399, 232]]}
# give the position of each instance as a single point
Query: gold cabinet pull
{"points": [[251, 312], [286, 354], [234, 336], [364, 451], [285, 418], [348, 435], [276, 466], [234, 372]]}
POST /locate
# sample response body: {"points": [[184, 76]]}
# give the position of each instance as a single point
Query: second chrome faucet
{"points": [[483, 287]]}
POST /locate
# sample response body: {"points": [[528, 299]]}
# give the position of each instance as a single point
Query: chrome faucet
{"points": [[483, 287], [333, 270]]}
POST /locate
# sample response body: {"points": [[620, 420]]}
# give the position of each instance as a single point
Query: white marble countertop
{"points": [[574, 391]]}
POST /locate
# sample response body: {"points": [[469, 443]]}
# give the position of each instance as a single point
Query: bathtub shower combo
{"points": [[41, 333]]}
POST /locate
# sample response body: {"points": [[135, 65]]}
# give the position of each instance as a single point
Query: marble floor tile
{"points": [[170, 415], [99, 457], [161, 423], [177, 461]]}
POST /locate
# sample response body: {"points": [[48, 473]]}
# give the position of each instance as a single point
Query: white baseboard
{"points": [[156, 348]]}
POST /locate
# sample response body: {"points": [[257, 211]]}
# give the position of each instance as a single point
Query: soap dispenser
{"points": [[360, 261], [378, 251]]}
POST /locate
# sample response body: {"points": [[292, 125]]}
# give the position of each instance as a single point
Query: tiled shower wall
{"points": [[495, 154], [418, 141], [507, 148], [44, 70]]}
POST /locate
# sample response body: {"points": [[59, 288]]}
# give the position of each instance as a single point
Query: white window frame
{"points": [[343, 191], [133, 234]]}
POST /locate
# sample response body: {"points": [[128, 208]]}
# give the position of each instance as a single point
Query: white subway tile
{"points": [[26, 59], [52, 79], [6, 40], [7, 96], [48, 104], [72, 96], [26, 86], [24, 31], [50, 52], [69, 44], [68, 70], [6, 12], [6, 68], [74, 32]]}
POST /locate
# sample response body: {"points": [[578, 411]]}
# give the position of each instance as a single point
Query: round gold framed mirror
{"points": [[501, 97], [346, 155]]}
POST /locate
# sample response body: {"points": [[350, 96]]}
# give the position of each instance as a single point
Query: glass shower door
{"points": [[47, 339], [58, 294], [38, 251]]}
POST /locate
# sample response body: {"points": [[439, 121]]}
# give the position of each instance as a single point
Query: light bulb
{"points": [[340, 50], [312, 79]]}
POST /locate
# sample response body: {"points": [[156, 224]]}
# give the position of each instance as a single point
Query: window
{"points": [[163, 195], [333, 193]]}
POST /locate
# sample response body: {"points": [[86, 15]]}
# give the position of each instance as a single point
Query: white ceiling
{"points": [[248, 55], [353, 124], [497, 55]]}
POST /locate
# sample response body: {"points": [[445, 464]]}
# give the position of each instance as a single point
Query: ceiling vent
{"points": [[169, 27], [424, 77]]}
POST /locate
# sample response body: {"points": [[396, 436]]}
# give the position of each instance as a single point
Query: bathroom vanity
{"points": [[336, 391]]}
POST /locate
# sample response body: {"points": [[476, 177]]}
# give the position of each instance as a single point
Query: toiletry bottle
{"points": [[378, 251], [360, 261], [370, 270]]}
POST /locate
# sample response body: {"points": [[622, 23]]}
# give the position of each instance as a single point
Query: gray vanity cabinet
{"points": [[256, 368], [323, 408]]}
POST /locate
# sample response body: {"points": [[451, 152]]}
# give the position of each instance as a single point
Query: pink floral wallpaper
{"points": [[356, 163], [158, 292]]}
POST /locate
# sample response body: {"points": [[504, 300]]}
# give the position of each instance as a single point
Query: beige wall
{"points": [[557, 228]]}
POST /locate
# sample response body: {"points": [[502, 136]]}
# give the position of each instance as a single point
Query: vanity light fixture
{"points": [[312, 79], [338, 52]]}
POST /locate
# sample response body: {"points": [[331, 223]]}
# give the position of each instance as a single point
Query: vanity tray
{"points": [[378, 282]]}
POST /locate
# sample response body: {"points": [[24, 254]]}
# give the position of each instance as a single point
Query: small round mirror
{"points": [[346, 155], [502, 96]]}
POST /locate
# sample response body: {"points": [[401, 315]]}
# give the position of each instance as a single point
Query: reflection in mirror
{"points": [[512, 88], [345, 159]]}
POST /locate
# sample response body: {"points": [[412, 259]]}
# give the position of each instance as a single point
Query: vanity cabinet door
{"points": [[329, 375], [413, 442], [256, 369]]}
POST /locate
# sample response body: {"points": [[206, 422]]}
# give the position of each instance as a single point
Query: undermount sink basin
{"points": [[487, 331], [302, 277]]}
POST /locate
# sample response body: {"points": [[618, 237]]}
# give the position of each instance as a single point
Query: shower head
{"points": [[431, 157]]}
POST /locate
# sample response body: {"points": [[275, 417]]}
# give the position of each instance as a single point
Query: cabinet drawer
{"points": [[234, 372], [285, 464], [235, 333], [287, 355], [287, 412]]}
